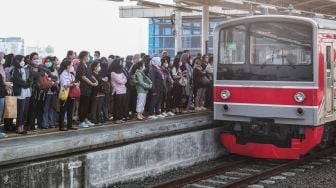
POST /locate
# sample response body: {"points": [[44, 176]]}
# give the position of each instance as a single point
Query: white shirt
{"points": [[25, 92], [66, 78]]}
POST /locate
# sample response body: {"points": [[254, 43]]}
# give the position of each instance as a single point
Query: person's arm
{"points": [[140, 80]]}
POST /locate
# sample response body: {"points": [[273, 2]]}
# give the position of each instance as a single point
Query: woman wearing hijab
{"points": [[21, 87], [103, 73], [118, 82], [157, 77]]}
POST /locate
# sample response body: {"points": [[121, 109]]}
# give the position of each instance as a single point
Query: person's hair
{"points": [[64, 65], [211, 58], [82, 55], [163, 61], [116, 66], [111, 56], [139, 65], [204, 56], [142, 55], [146, 60], [95, 64], [9, 60], [26, 59], [97, 52], [176, 63], [32, 55], [70, 53]]}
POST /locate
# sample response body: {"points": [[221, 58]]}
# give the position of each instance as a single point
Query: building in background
{"points": [[13, 45], [161, 35]]}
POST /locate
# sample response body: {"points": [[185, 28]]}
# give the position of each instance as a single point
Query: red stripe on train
{"points": [[255, 95]]}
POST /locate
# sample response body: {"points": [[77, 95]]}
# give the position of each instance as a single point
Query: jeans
{"points": [[22, 111], [49, 113], [154, 108], [141, 101], [96, 109]]}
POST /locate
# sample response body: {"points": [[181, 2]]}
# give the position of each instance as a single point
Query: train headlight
{"points": [[225, 94], [299, 97]]}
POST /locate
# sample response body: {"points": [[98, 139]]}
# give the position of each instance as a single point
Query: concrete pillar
{"points": [[178, 30], [205, 28]]}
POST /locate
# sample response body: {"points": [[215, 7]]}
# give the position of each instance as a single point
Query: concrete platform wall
{"points": [[105, 167]]}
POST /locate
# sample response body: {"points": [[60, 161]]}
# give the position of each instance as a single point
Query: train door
{"points": [[329, 64]]}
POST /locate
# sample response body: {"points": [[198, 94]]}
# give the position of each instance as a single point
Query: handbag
{"points": [[183, 81], [205, 80], [63, 95], [75, 92], [10, 110]]}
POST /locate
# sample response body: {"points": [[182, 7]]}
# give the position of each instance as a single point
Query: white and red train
{"points": [[274, 85]]}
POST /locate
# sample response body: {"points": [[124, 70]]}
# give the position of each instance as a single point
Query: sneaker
{"points": [[171, 114], [198, 109], [203, 108], [164, 114], [119, 122], [152, 117], [83, 125], [3, 135], [160, 116], [89, 123]]}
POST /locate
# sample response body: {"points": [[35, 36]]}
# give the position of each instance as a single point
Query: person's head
{"points": [[136, 58], [96, 54], [185, 58], [199, 55], [205, 58], [116, 66], [66, 65], [18, 61], [55, 62], [95, 66], [9, 60], [211, 58], [140, 65], [156, 62], [177, 63], [103, 60], [165, 53], [75, 62], [34, 59], [27, 59], [70, 54], [48, 62], [83, 56], [164, 63]]}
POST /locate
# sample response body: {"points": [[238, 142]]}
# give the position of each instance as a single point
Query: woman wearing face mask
{"points": [[98, 94], [177, 90], [67, 80], [87, 82], [49, 112], [21, 87], [143, 84], [3, 85]]}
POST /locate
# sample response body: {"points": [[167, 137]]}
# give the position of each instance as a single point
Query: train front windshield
{"points": [[266, 51]]}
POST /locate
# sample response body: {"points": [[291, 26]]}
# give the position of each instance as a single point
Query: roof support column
{"points": [[205, 29], [178, 31]]}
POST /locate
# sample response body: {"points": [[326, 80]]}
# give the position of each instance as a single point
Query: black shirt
{"points": [[83, 70]]}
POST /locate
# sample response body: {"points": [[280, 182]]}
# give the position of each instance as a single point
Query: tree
{"points": [[49, 49]]}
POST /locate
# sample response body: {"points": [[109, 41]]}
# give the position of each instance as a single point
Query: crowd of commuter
{"points": [[90, 90]]}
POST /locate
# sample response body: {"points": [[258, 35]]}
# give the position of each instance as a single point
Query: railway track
{"points": [[244, 173]]}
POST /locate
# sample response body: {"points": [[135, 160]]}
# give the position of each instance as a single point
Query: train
{"points": [[274, 85]]}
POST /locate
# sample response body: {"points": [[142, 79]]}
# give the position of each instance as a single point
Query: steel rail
{"points": [[202, 175]]}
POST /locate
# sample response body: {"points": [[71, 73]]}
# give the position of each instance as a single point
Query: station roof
{"points": [[310, 8]]}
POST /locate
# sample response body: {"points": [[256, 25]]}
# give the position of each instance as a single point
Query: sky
{"points": [[74, 24]]}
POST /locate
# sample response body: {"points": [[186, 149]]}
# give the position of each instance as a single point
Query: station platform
{"points": [[44, 144], [101, 156]]}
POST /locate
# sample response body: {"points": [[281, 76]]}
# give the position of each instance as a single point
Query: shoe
{"points": [[164, 114], [139, 117], [3, 135], [83, 125], [89, 123], [152, 117], [171, 114], [119, 122], [63, 129], [22, 132], [203, 108], [160, 116], [198, 109], [72, 128]]}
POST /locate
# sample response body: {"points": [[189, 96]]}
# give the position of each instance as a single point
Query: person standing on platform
{"points": [[87, 81], [22, 80], [67, 81], [118, 82], [143, 84]]}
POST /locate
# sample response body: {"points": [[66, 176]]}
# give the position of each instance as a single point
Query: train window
{"points": [[280, 44], [276, 51], [232, 45]]}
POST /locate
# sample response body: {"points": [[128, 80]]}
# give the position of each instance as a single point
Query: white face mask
{"points": [[99, 69], [3, 61], [22, 63], [72, 69], [166, 65], [180, 64]]}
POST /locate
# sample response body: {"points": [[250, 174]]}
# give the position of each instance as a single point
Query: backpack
{"points": [[44, 82]]}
